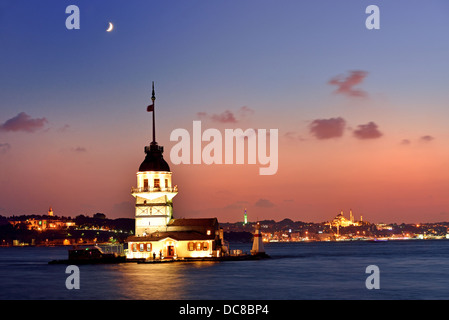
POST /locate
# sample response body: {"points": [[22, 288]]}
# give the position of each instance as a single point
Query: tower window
{"points": [[157, 183], [145, 183], [166, 183]]}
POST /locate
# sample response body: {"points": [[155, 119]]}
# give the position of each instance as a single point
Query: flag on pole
{"points": [[150, 108]]}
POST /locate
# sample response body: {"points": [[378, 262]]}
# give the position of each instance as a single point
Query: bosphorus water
{"points": [[409, 269]]}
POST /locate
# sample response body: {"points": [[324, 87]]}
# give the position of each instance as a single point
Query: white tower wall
{"points": [[154, 206]]}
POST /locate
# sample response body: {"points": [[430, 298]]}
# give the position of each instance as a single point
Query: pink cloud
{"points": [[23, 122], [328, 128], [367, 131], [264, 203], [427, 138], [201, 114], [224, 117], [227, 116], [345, 85], [79, 149], [245, 111]]}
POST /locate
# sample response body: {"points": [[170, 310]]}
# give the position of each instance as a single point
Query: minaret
{"points": [[154, 192], [258, 248], [50, 212], [245, 218]]}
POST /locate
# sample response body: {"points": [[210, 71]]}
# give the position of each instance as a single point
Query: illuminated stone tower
{"points": [[154, 192]]}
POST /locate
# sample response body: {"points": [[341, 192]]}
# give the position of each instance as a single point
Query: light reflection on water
{"points": [[409, 270], [161, 281]]}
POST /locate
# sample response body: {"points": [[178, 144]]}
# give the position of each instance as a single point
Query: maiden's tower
{"points": [[158, 235]]}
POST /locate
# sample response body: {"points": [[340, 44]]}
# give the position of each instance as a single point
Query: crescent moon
{"points": [[111, 26]]}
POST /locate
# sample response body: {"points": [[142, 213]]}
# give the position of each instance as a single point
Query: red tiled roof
{"points": [[200, 222]]}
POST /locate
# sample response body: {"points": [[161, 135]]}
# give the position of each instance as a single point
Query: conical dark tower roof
{"points": [[154, 161]]}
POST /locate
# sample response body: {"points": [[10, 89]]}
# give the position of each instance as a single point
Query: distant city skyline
{"points": [[361, 113]]}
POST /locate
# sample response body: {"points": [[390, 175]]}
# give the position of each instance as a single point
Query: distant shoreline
{"points": [[239, 242]]}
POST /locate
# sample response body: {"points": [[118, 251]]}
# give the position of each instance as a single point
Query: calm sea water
{"points": [[322, 270]]}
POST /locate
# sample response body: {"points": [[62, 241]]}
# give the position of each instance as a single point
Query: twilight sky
{"points": [[362, 114]]}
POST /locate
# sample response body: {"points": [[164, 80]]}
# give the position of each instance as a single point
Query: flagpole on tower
{"points": [[150, 108], [153, 97]]}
